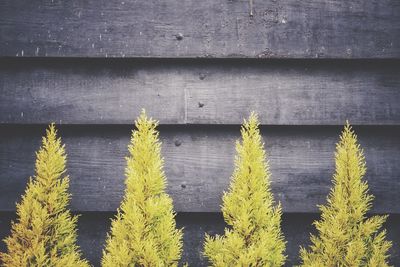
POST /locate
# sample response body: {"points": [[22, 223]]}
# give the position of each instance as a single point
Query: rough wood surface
{"points": [[208, 28], [199, 162], [92, 229], [200, 92]]}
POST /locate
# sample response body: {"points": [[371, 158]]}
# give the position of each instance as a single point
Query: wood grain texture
{"points": [[92, 229], [200, 92], [153, 28], [199, 162]]}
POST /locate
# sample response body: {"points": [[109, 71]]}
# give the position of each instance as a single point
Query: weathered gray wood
{"points": [[202, 92], [153, 28], [199, 162], [92, 229]]}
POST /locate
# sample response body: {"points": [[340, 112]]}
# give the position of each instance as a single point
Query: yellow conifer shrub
{"points": [[144, 231], [253, 237], [44, 233], [346, 236]]}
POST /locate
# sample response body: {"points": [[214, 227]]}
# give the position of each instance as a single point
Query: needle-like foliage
{"points": [[144, 231], [44, 233], [253, 237], [346, 236]]}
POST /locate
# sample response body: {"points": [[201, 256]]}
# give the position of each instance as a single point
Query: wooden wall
{"points": [[200, 67]]}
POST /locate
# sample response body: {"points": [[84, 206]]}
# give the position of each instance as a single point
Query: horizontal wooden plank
{"points": [[92, 229], [153, 28], [203, 92], [199, 162]]}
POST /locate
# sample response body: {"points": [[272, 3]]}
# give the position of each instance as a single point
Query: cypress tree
{"points": [[253, 237], [44, 233], [346, 236], [144, 231]]}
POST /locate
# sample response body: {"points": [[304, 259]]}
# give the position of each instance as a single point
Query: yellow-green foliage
{"points": [[45, 234], [254, 237], [346, 236], [144, 231]]}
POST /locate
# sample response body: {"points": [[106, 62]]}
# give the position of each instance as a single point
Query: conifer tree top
{"points": [[45, 234], [253, 237], [250, 181], [346, 236], [144, 232]]}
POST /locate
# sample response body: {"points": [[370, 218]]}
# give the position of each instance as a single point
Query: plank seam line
{"points": [[186, 104]]}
